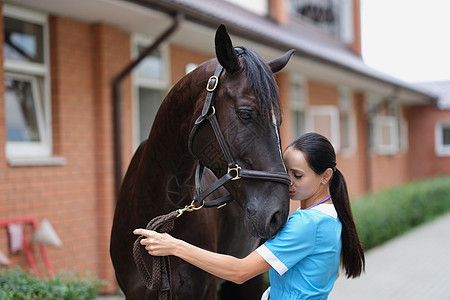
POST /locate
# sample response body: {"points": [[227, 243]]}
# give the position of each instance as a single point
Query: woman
{"points": [[303, 258]]}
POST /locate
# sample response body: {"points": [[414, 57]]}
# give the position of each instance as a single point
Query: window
{"points": [[386, 135], [259, 7], [27, 99], [321, 119], [384, 127], [298, 107], [325, 120], [150, 81], [442, 138], [346, 120], [332, 16]]}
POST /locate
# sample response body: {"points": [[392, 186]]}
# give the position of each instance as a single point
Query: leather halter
{"points": [[235, 172]]}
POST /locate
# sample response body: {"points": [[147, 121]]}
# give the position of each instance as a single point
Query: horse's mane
{"points": [[262, 82]]}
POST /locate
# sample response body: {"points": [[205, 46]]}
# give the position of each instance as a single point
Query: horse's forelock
{"points": [[263, 84]]}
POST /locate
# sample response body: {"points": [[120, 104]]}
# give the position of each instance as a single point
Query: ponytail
{"points": [[352, 253], [320, 155]]}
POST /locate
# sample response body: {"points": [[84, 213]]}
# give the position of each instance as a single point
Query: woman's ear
{"points": [[326, 176]]}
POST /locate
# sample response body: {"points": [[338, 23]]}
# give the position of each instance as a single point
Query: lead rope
{"points": [[160, 281]]}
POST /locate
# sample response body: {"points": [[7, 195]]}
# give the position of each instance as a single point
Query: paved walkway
{"points": [[413, 266]]}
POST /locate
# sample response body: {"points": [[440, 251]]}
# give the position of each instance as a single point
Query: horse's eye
{"points": [[245, 115]]}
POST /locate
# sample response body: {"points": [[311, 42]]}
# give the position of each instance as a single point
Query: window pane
{"points": [[333, 16], [23, 41], [299, 122], [446, 136], [345, 131], [21, 111], [322, 124], [323, 13], [151, 67], [297, 96], [149, 102], [386, 138]]}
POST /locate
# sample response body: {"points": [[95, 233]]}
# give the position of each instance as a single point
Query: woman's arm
{"points": [[224, 266]]}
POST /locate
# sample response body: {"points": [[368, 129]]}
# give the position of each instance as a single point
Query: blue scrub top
{"points": [[305, 254]]}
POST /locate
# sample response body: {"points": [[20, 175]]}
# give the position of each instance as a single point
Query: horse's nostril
{"points": [[275, 220]]}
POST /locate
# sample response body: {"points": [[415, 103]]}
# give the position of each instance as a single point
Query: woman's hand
{"points": [[157, 244]]}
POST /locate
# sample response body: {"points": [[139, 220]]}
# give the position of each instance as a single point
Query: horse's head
{"points": [[247, 106]]}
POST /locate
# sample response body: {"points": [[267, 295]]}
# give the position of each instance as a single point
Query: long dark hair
{"points": [[320, 155]]}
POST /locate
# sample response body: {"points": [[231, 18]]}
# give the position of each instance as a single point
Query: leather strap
{"points": [[272, 176], [221, 140]]}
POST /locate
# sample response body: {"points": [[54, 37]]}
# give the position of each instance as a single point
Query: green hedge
{"points": [[384, 215], [20, 285]]}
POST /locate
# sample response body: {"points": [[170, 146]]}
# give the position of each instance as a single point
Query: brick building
{"points": [[58, 138]]}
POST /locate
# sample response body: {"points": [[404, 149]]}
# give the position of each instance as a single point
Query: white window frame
{"points": [[328, 111], [396, 123], [33, 153], [21, 149], [138, 82], [350, 112], [299, 106], [441, 150], [391, 122]]}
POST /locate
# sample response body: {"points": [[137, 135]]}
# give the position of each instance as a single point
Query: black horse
{"points": [[245, 103]]}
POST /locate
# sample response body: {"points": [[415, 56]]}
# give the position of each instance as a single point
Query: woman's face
{"points": [[305, 183]]}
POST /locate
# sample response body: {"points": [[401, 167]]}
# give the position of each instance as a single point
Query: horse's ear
{"points": [[278, 63], [225, 52]]}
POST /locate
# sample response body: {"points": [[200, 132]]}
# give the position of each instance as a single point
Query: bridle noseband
{"points": [[235, 172]]}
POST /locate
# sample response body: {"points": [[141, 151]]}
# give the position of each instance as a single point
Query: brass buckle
{"points": [[236, 169], [211, 89]]}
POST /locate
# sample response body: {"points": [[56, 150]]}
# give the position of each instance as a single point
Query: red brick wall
{"points": [[78, 197], [423, 161], [388, 170], [180, 57], [322, 94], [356, 45], [73, 117], [2, 109], [278, 11], [353, 163], [112, 53]]}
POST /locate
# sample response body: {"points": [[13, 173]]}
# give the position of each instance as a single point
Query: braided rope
{"points": [[160, 281]]}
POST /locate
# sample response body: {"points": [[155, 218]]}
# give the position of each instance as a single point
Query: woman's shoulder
{"points": [[315, 215], [303, 218]]}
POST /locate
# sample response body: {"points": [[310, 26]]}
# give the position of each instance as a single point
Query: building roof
{"points": [[316, 52], [441, 89], [309, 43]]}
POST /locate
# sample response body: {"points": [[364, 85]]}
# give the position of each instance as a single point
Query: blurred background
{"points": [[372, 76]]}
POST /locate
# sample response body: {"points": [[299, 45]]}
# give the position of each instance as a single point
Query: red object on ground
{"points": [[33, 221]]}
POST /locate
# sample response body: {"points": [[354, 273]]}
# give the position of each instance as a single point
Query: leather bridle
{"points": [[235, 172]]}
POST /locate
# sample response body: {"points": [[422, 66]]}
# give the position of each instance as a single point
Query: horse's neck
{"points": [[168, 165]]}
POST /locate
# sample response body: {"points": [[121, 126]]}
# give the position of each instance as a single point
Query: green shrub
{"points": [[384, 215], [18, 284]]}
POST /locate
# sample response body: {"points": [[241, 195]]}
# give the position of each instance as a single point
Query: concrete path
{"points": [[413, 266]]}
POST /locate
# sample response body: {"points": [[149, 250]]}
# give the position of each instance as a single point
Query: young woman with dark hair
{"points": [[321, 158], [303, 258]]}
